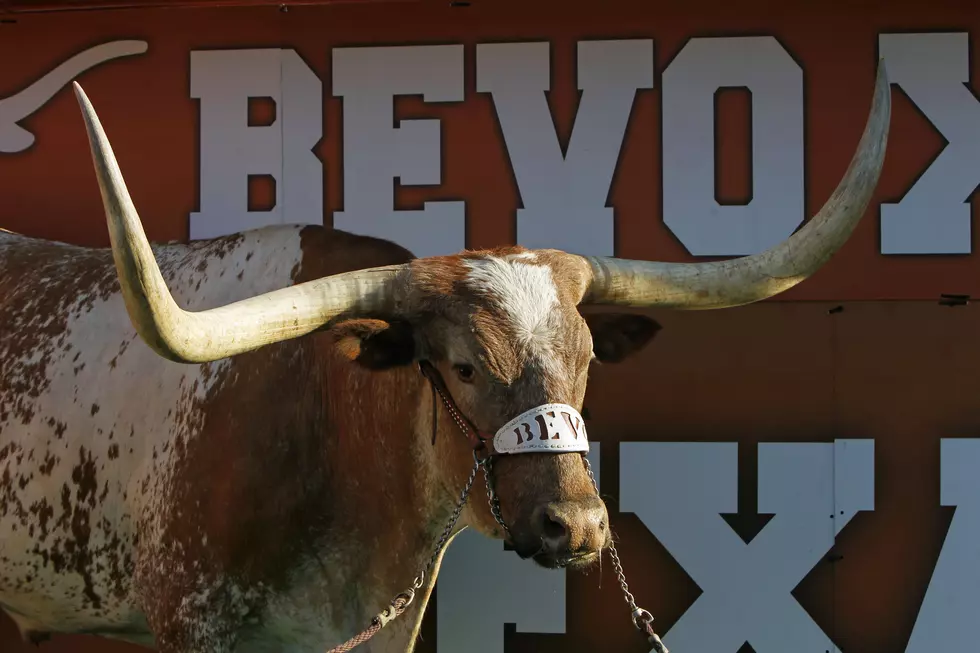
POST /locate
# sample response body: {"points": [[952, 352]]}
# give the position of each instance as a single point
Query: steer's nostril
{"points": [[554, 529]]}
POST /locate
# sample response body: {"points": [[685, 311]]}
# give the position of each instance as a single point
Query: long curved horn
{"points": [[749, 279], [228, 330]]}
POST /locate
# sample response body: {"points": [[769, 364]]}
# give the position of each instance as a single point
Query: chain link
{"points": [[642, 619], [492, 498], [613, 553]]}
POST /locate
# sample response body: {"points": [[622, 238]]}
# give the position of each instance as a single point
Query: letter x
{"points": [[680, 490]]}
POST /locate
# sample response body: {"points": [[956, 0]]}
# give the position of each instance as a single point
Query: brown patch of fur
{"points": [[248, 496], [327, 252]]}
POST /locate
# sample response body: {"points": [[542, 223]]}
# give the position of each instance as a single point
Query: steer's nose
{"points": [[572, 528]]}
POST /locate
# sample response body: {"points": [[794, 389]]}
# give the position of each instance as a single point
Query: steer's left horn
{"points": [[208, 335], [752, 278]]}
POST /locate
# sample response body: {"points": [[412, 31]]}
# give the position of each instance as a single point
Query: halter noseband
{"points": [[549, 428]]}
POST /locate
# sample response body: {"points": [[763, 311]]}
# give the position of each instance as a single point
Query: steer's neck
{"points": [[390, 502]]}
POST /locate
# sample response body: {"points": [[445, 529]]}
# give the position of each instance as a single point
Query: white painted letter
{"points": [[503, 585], [679, 490], [231, 150], [948, 616], [690, 208], [564, 197], [934, 215], [376, 152]]}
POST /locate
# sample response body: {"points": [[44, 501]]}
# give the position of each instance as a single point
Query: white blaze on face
{"points": [[525, 295]]}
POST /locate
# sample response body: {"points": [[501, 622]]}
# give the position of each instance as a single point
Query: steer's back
{"points": [[88, 414]]}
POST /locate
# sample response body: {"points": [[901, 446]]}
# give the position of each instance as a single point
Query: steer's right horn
{"points": [[242, 326], [733, 282]]}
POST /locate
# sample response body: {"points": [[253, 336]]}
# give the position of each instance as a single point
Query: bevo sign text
{"points": [[564, 195]]}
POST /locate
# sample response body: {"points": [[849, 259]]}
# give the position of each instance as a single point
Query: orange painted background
{"points": [[902, 372]]}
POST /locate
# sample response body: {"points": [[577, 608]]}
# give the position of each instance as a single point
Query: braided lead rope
{"points": [[397, 607]]}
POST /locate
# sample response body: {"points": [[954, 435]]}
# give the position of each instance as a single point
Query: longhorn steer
{"points": [[262, 491]]}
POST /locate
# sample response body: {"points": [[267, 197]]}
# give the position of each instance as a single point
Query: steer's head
{"points": [[503, 329]]}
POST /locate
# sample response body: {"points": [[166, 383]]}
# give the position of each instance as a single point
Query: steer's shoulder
{"points": [[328, 251]]}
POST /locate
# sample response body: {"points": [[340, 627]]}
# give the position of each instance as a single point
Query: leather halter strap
{"points": [[480, 441]]}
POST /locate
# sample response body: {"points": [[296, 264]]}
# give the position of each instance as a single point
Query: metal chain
{"points": [[642, 619], [492, 498]]}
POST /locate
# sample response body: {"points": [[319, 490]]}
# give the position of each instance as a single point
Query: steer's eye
{"points": [[465, 372]]}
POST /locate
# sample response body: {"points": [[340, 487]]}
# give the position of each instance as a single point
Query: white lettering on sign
{"points": [[376, 152], [948, 616], [690, 208], [934, 216], [679, 491], [231, 150], [564, 196], [502, 585]]}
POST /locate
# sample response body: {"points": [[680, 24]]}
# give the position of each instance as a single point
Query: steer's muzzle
{"points": [[566, 533]]}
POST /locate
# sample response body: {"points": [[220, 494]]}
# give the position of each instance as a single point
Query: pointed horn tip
{"points": [[88, 111], [89, 117]]}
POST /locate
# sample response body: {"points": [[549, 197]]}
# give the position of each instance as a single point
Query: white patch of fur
{"points": [[525, 294]]}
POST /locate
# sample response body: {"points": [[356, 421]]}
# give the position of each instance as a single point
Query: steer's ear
{"points": [[617, 336], [375, 344]]}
